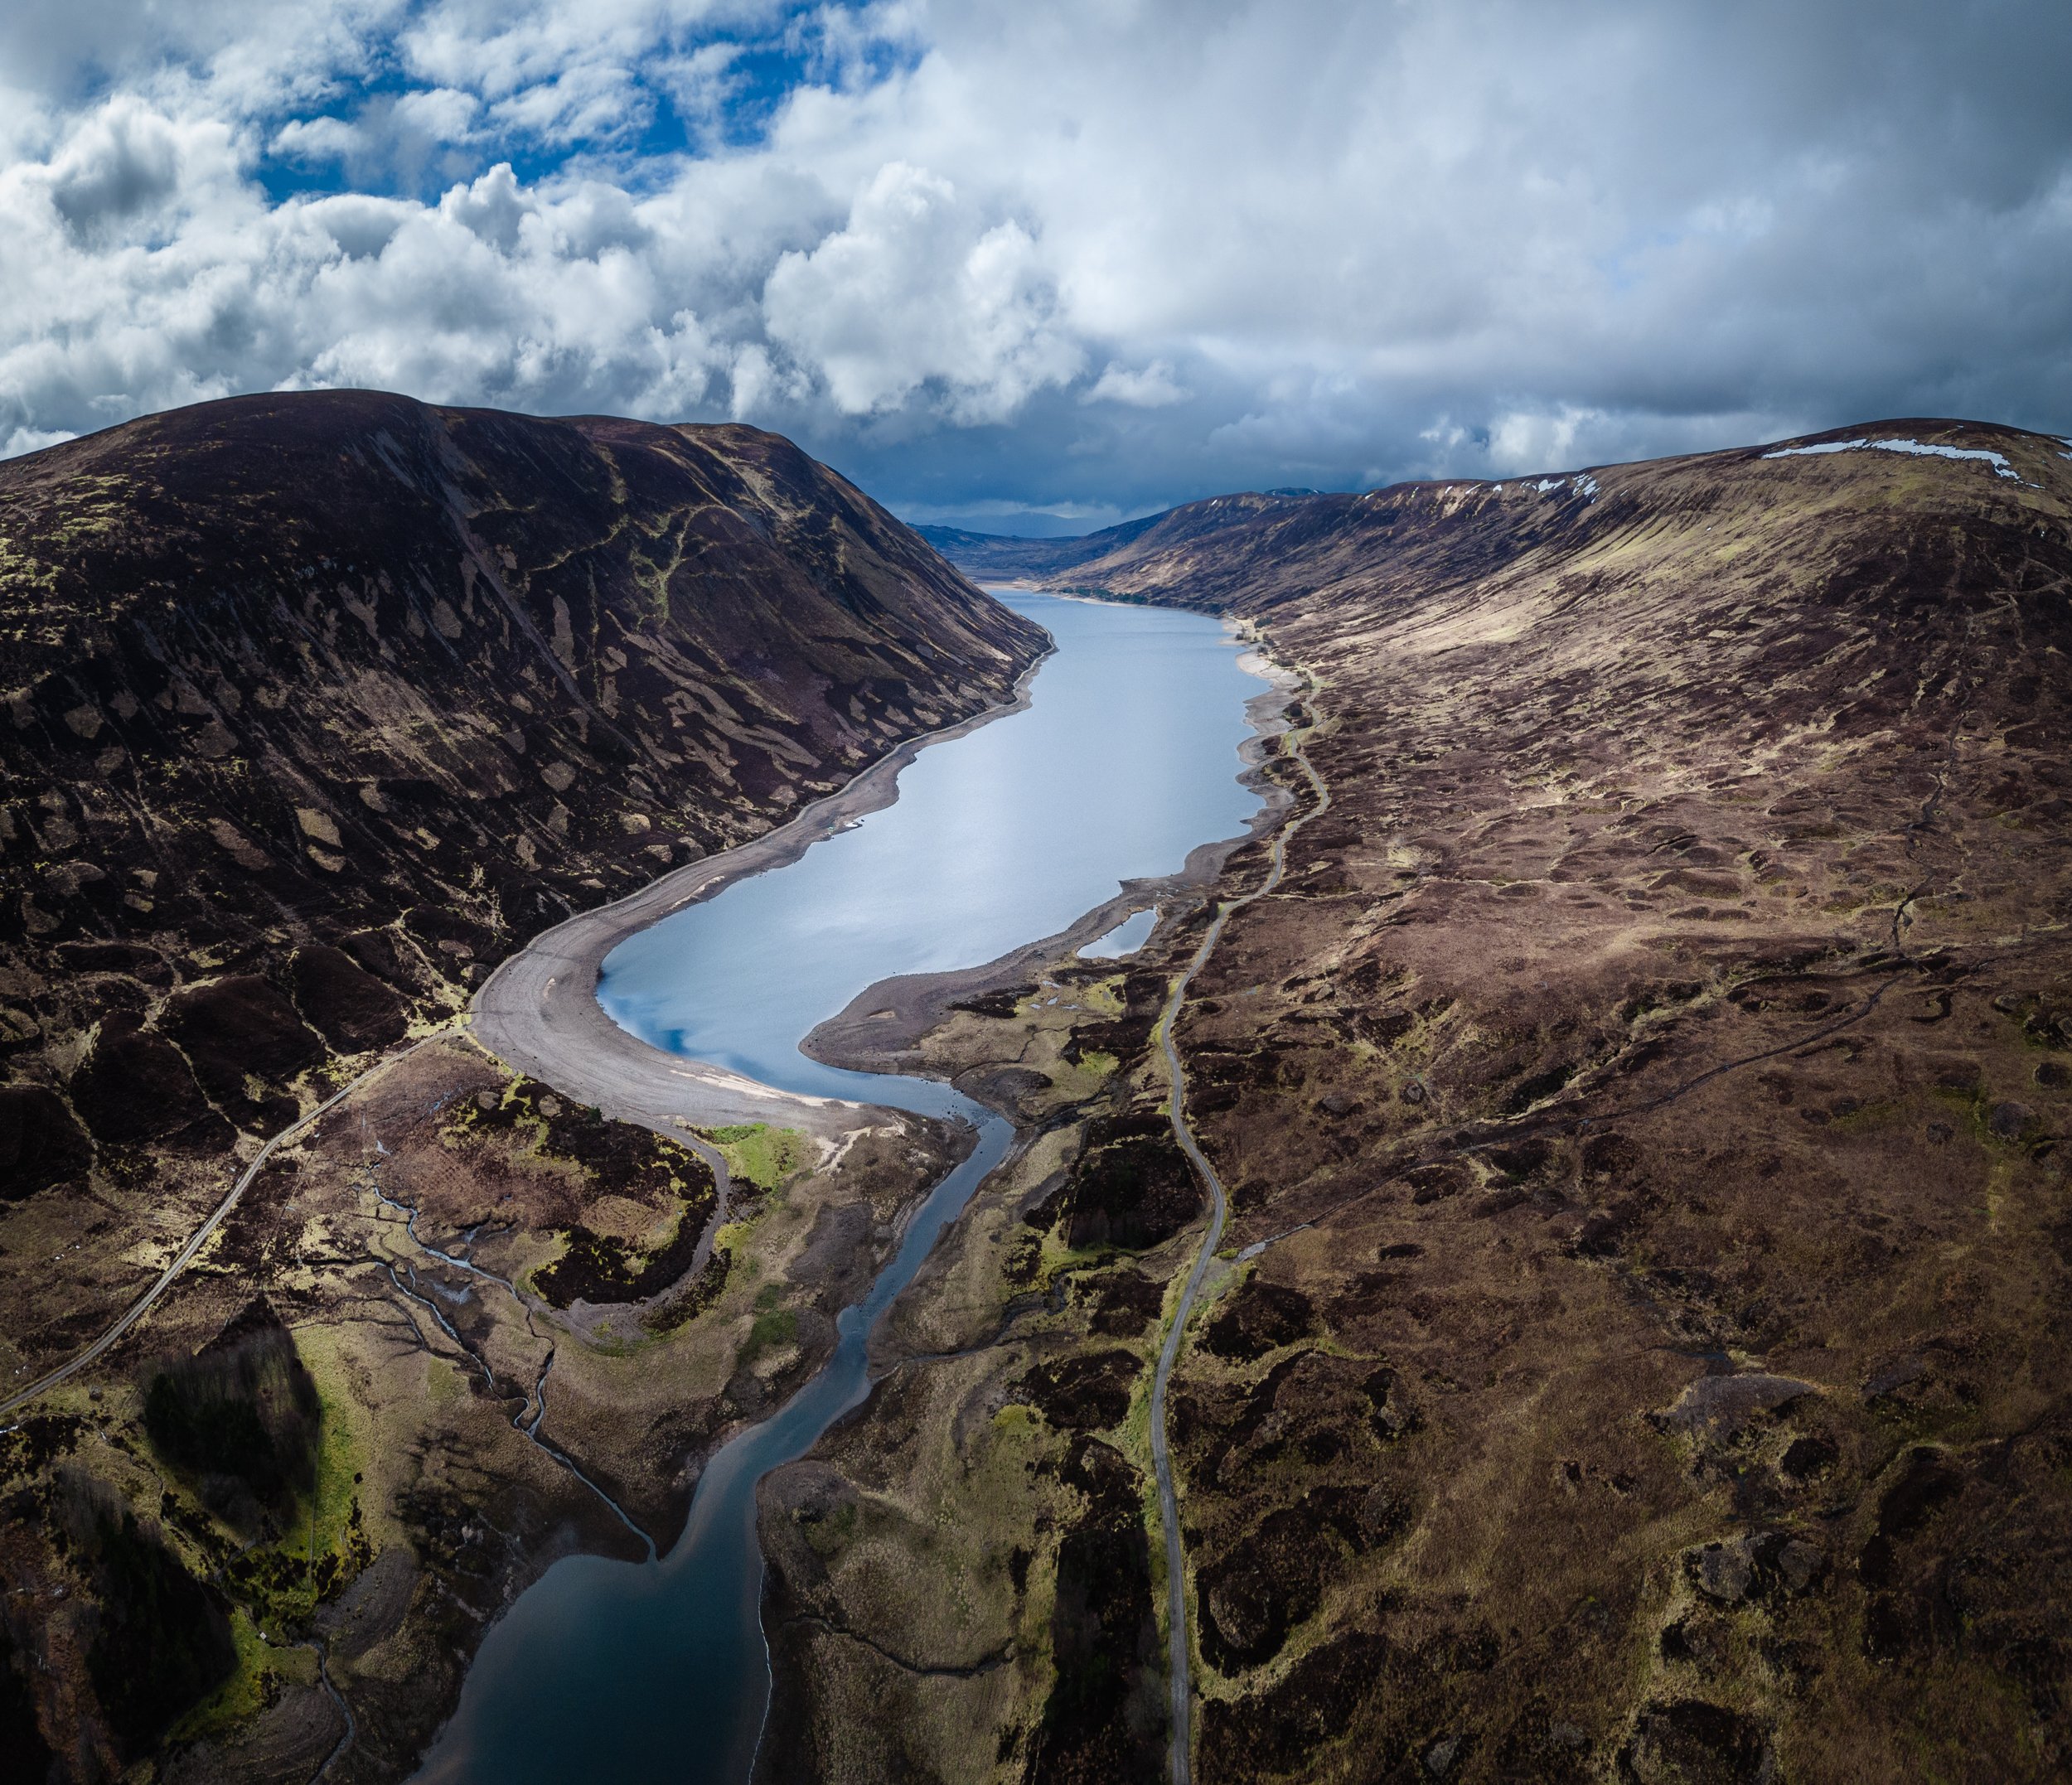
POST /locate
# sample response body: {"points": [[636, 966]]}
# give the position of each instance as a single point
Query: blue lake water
{"points": [[1126, 938], [1126, 759]]}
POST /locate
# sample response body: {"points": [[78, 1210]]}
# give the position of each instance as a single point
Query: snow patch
{"points": [[1998, 460], [1914, 449], [1825, 446], [1584, 485]]}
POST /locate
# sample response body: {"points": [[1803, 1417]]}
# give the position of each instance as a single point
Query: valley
{"points": [[321, 704], [1629, 1039]]}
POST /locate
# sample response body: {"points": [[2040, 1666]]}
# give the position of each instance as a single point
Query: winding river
{"points": [[1124, 759]]}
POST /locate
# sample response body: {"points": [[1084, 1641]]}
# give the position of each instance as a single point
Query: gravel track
{"points": [[1179, 1645]]}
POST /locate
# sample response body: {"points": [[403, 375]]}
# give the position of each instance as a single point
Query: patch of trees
{"points": [[625, 1159], [1131, 1186], [161, 1643], [1105, 1719], [598, 1269], [20, 1740]]}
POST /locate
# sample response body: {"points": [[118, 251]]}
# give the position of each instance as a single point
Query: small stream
{"points": [[1124, 760]]}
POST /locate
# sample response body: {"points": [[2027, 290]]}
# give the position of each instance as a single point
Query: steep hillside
{"points": [[1636, 1350], [316, 706]]}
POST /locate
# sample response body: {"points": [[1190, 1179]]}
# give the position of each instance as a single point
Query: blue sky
{"points": [[1040, 267], [708, 82]]}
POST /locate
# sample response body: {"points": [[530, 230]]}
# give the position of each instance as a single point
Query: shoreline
{"points": [[879, 1029], [539, 1011]]}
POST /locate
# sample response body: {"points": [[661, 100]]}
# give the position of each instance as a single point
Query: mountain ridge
{"points": [[1146, 559]]}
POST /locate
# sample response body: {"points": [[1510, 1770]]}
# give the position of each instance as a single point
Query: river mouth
{"points": [[1124, 760]]}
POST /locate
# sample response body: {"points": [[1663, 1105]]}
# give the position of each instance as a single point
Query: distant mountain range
{"points": [[998, 557]]}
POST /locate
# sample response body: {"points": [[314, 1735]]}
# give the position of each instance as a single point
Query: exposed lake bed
{"points": [[1124, 774]]}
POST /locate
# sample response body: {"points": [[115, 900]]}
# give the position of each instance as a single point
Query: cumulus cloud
{"points": [[1083, 256], [917, 292], [1149, 387]]}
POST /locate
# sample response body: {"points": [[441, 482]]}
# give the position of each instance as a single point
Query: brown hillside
{"points": [[320, 702], [319, 705], [1650, 1092]]}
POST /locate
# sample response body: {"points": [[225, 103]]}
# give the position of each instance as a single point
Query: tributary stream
{"points": [[1124, 760]]}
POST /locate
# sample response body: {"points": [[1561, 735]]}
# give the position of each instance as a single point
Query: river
{"points": [[1124, 760]]}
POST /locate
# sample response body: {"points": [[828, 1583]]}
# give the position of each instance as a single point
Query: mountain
{"points": [[1008, 558], [320, 702], [1635, 1351], [317, 705], [1005, 557]]}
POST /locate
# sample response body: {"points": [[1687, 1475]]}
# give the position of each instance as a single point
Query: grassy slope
{"points": [[1676, 993]]}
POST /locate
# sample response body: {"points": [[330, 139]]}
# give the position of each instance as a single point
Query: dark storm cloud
{"points": [[1088, 257]]}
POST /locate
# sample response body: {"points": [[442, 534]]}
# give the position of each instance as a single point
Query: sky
{"points": [[1037, 268]]}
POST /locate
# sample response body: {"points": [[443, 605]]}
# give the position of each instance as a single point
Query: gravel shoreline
{"points": [[538, 1012]]}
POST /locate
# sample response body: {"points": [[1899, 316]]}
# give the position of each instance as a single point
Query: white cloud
{"points": [[492, 208], [443, 114], [1150, 387], [312, 139], [33, 440], [1073, 254], [917, 291], [1521, 440]]}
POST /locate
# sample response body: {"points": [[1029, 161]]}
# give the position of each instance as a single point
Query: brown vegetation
{"points": [[317, 705], [1644, 1112]]}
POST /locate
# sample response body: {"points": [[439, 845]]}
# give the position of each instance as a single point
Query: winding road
{"points": [[200, 1237], [1180, 1647]]}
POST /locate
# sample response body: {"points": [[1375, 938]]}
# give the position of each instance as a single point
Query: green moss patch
{"points": [[760, 1155]]}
